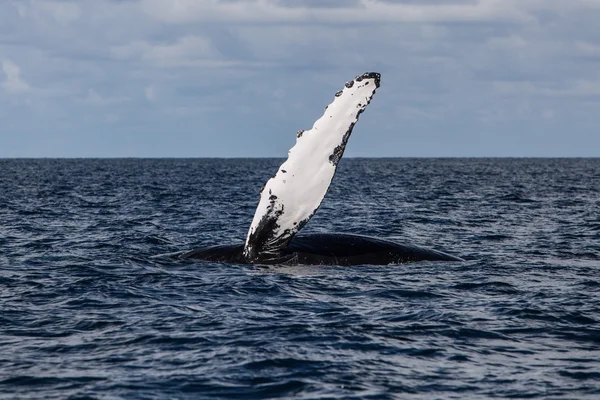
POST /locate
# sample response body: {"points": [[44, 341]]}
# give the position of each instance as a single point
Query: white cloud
{"points": [[587, 48], [508, 42], [21, 9], [186, 51], [150, 93], [63, 12], [94, 99], [111, 118], [583, 88], [575, 88], [183, 11], [13, 83], [548, 114], [275, 63], [193, 51]]}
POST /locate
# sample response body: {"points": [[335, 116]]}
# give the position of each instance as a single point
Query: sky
{"points": [[238, 78]]}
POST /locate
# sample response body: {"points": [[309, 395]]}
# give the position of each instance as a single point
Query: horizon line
{"points": [[282, 158]]}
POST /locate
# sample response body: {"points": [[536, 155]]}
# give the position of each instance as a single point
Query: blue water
{"points": [[90, 309]]}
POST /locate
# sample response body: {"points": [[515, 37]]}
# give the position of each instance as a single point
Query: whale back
{"points": [[327, 249], [348, 249], [292, 196]]}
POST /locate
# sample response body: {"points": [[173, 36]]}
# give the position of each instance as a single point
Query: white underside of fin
{"points": [[291, 197]]}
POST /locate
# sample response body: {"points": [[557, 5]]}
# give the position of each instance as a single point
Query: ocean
{"points": [[93, 307]]}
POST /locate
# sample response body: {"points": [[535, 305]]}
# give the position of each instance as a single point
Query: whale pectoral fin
{"points": [[291, 197]]}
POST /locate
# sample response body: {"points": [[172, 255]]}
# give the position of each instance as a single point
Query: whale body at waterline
{"points": [[326, 249], [292, 196]]}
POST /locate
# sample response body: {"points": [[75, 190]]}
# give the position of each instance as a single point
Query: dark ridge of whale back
{"points": [[326, 249], [348, 249], [231, 254]]}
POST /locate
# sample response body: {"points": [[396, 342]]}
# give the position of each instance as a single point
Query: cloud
{"points": [[574, 88], [94, 99], [195, 51], [588, 49], [252, 70], [272, 11], [13, 83], [185, 51], [62, 12], [150, 93]]}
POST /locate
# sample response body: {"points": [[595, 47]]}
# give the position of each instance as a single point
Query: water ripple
{"points": [[91, 308]]}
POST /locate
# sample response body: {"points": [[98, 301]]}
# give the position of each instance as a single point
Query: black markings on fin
{"points": [[263, 240], [267, 240], [338, 152], [370, 75]]}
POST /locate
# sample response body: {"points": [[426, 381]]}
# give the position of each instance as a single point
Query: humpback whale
{"points": [[292, 196]]}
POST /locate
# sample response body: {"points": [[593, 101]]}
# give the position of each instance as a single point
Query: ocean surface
{"points": [[92, 307]]}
